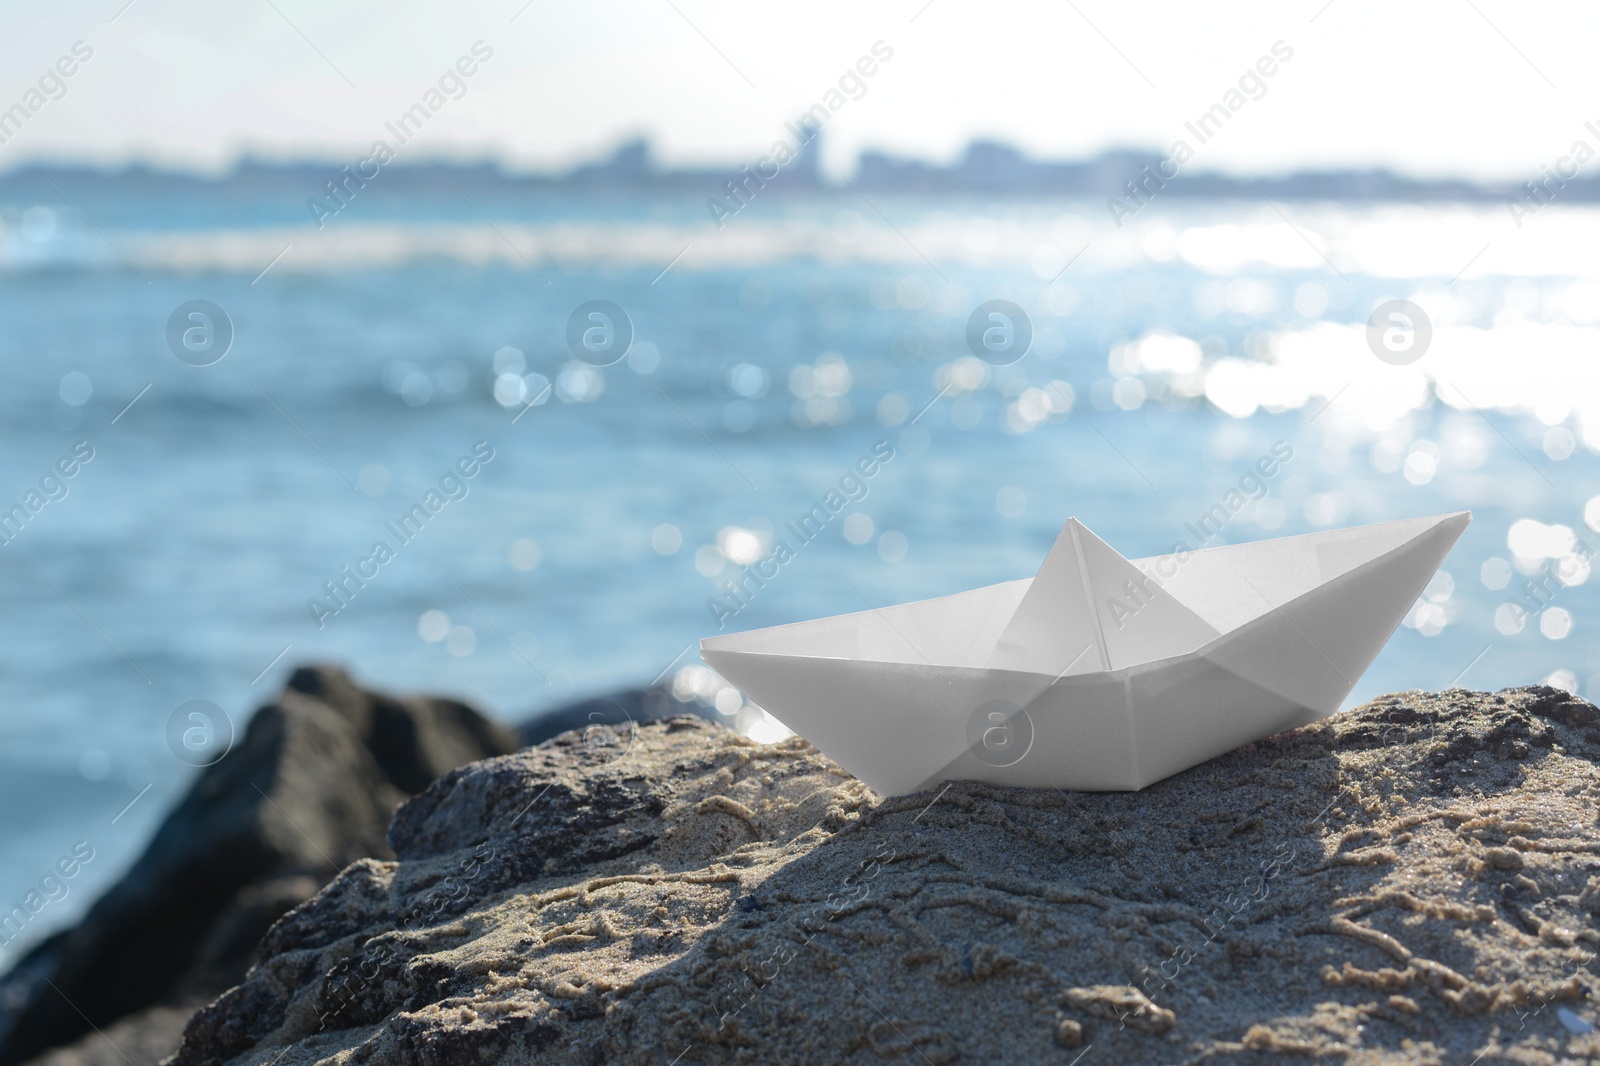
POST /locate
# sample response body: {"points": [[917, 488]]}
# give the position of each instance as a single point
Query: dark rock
{"points": [[143, 1038], [675, 892], [637, 705], [309, 788]]}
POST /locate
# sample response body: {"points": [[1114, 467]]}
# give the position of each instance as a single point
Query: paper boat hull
{"points": [[886, 695]]}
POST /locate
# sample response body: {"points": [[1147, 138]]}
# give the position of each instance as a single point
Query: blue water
{"points": [[181, 561]]}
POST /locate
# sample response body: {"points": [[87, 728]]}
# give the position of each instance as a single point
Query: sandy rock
{"points": [[308, 788], [677, 893]]}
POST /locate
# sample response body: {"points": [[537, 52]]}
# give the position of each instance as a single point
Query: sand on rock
{"points": [[1417, 880]]}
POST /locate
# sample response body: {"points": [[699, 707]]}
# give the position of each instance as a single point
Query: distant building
{"points": [[630, 166], [994, 167], [987, 168], [805, 170]]}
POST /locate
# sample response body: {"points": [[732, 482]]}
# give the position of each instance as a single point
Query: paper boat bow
{"points": [[1099, 672]]}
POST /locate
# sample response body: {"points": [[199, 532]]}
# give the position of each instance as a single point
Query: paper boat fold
{"points": [[1099, 672]]}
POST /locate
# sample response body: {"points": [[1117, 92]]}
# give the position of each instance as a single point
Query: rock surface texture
{"points": [[1414, 881], [308, 788]]}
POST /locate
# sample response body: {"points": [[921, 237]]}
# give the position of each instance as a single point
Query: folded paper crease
{"points": [[1099, 672]]}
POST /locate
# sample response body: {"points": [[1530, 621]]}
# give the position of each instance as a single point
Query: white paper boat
{"points": [[1099, 672]]}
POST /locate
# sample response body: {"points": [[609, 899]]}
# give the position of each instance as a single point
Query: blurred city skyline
{"points": [[1485, 92], [984, 166]]}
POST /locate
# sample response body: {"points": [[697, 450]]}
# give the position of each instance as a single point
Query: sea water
{"points": [[305, 496]]}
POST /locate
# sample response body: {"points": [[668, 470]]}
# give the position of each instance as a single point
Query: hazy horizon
{"points": [[1482, 92], [511, 167]]}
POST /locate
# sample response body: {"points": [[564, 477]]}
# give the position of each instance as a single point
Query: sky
{"points": [[1473, 88]]}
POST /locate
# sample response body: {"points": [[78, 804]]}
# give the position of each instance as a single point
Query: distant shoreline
{"points": [[986, 168]]}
